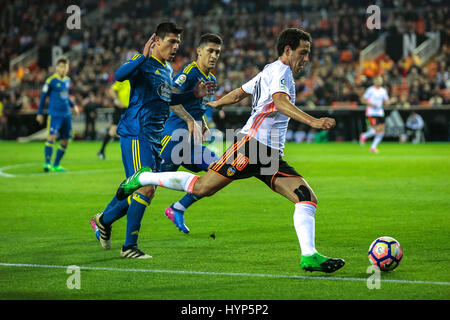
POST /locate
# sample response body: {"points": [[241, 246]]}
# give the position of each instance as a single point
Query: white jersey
{"points": [[266, 124], [375, 96]]}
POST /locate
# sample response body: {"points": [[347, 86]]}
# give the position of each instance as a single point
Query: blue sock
{"points": [[186, 201], [48, 151], [135, 213], [115, 210], [59, 154]]}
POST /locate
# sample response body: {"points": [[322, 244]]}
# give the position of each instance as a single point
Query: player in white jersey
{"points": [[258, 149], [375, 97], [265, 121]]}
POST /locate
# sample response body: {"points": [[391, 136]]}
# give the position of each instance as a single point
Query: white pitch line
{"points": [[69, 172], [20, 165], [259, 275], [30, 164]]}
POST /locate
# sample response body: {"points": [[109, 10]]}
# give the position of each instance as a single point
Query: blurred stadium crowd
{"points": [[117, 29]]}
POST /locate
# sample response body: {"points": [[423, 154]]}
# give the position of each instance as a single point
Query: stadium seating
{"points": [[248, 32]]}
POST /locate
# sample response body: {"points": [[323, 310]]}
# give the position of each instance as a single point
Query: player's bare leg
{"points": [[208, 184], [297, 190], [148, 191], [379, 134], [51, 137], [366, 135], [287, 187]]}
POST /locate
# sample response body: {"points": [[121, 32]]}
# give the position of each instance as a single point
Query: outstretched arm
{"points": [[230, 98], [286, 107]]}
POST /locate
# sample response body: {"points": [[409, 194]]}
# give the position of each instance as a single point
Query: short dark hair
{"points": [[291, 37], [210, 37], [165, 28], [62, 59]]}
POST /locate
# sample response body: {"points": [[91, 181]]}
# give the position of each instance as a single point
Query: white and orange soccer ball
{"points": [[385, 253]]}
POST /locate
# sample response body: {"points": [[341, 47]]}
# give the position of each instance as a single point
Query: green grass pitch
{"points": [[402, 192]]}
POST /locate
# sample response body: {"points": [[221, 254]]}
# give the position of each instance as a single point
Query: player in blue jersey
{"points": [[59, 119], [141, 128], [191, 156]]}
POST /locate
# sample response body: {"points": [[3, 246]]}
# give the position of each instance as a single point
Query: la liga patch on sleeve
{"points": [[181, 79]]}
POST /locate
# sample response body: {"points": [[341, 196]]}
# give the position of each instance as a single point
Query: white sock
{"points": [[177, 205], [179, 180], [377, 140], [304, 224], [369, 133]]}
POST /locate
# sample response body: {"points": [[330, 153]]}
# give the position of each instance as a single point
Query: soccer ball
{"points": [[385, 253]]}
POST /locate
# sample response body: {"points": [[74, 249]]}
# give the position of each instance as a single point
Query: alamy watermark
{"points": [[74, 20], [74, 280], [374, 280], [374, 20], [243, 152]]}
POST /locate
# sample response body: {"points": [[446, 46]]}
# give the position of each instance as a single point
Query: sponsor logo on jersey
{"points": [[181, 79], [165, 91]]}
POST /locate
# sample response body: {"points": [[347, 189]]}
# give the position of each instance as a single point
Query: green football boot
{"points": [[131, 184], [318, 262], [47, 167], [58, 169]]}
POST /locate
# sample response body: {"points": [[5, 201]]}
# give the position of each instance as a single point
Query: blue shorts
{"points": [[139, 153], [209, 114], [193, 157], [61, 125]]}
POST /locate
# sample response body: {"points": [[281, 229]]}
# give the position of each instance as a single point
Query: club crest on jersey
{"points": [[231, 171], [181, 79], [165, 91]]}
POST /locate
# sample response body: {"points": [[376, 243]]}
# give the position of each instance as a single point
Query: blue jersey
{"points": [[184, 81], [199, 157], [150, 98], [57, 89]]}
